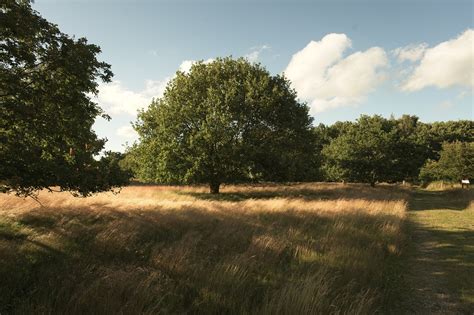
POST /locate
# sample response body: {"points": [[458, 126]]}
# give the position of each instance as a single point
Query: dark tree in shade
{"points": [[46, 116]]}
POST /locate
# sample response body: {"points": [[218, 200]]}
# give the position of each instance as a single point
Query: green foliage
{"points": [[46, 79], [410, 148], [363, 153], [322, 137], [111, 170], [456, 162], [223, 122], [437, 133], [378, 149]]}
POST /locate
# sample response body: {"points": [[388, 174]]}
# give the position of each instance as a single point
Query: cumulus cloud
{"points": [[116, 98], [410, 53], [448, 64], [326, 79], [254, 55], [127, 131]]}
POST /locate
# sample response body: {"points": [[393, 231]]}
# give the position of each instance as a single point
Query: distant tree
{"points": [[437, 133], [411, 148], [112, 170], [323, 136], [132, 163], [225, 121], [46, 83], [363, 153], [450, 131], [408, 145], [455, 163]]}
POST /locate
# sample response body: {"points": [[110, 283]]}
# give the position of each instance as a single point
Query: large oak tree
{"points": [[225, 121]]}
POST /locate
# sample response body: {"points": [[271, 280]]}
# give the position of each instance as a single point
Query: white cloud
{"points": [[448, 64], [186, 65], [127, 131], [323, 77], [114, 98], [254, 55], [410, 53]]}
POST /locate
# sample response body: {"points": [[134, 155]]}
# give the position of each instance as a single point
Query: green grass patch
{"points": [[442, 251]]}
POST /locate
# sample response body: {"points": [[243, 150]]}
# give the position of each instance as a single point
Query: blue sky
{"points": [[345, 58]]}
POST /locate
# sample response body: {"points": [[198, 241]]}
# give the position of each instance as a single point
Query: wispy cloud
{"points": [[410, 53], [255, 52], [446, 105], [127, 132]]}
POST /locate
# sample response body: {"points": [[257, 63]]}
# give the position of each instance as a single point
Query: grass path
{"points": [[440, 257]]}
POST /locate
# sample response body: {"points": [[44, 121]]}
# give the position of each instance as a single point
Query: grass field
{"points": [[306, 248]]}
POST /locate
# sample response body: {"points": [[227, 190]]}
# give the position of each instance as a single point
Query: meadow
{"points": [[286, 249]]}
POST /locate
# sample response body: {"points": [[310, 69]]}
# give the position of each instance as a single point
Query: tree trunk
{"points": [[373, 179], [214, 187]]}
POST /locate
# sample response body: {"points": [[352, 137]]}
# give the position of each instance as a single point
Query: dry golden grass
{"points": [[302, 248]]}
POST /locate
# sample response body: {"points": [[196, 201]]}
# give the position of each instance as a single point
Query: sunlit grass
{"points": [[302, 248]]}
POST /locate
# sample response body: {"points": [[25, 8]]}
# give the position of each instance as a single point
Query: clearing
{"points": [[286, 249]]}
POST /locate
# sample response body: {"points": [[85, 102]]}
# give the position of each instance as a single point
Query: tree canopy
{"points": [[375, 149], [46, 82], [225, 121], [456, 162], [363, 152]]}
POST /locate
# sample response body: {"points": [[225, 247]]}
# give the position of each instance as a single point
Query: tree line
{"points": [[227, 121], [376, 149], [372, 149]]}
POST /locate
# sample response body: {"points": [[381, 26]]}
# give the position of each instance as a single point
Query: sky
{"points": [[344, 58]]}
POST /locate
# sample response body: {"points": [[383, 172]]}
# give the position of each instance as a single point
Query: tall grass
{"points": [[442, 185], [296, 249]]}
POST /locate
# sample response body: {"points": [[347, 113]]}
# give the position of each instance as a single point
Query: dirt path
{"points": [[440, 257]]}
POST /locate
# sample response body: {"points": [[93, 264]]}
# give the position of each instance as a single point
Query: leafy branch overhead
{"points": [[46, 82]]}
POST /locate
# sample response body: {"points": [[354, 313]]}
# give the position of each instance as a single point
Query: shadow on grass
{"points": [[440, 255], [441, 271], [191, 260], [457, 199], [337, 191]]}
